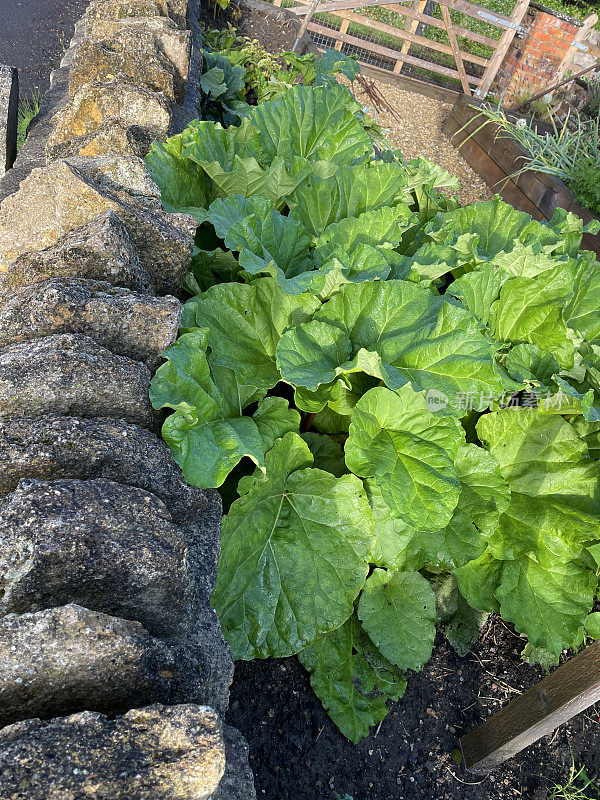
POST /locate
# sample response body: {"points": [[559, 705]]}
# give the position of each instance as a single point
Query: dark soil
{"points": [[34, 34], [276, 32], [297, 753]]}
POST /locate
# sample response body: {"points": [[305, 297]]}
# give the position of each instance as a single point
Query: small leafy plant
{"points": [[399, 396], [572, 156], [238, 71]]}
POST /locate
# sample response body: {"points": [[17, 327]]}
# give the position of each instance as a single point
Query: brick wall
{"points": [[533, 62]]}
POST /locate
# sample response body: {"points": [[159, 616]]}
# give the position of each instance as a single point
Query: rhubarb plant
{"points": [[399, 398]]}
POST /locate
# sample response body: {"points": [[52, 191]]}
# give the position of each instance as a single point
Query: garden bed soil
{"points": [[297, 753], [276, 33]]}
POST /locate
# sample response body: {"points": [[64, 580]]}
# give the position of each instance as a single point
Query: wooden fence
{"points": [[365, 37]]}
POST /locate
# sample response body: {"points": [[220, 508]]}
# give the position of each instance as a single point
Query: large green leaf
{"points": [[528, 362], [478, 290], [352, 679], [327, 453], [351, 191], [207, 434], [381, 228], [497, 226], [205, 142], [308, 123], [400, 546], [397, 331], [409, 452], [484, 495], [294, 554], [397, 610], [554, 507], [183, 185], [267, 241], [531, 310], [581, 312], [549, 603], [246, 322]]}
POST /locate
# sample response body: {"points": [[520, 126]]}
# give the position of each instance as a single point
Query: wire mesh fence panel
{"points": [[455, 42]]}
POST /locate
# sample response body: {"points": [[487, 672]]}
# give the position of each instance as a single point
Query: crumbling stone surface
{"points": [[153, 753], [66, 659], [96, 103], [238, 781], [97, 543], [127, 55], [56, 199], [125, 177], [129, 324], [99, 250], [73, 375], [126, 9], [113, 137], [206, 663], [176, 44], [52, 447]]}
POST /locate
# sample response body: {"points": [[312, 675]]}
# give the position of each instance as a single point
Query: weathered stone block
{"points": [[176, 44], [95, 104], [99, 250], [125, 177], [153, 753], [73, 375], [102, 545], [9, 106], [67, 659], [206, 664], [127, 54], [127, 9], [134, 325], [56, 199], [238, 781], [115, 136], [52, 447], [124, 9]]}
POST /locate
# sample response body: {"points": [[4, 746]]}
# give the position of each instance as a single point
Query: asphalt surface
{"points": [[33, 36]]}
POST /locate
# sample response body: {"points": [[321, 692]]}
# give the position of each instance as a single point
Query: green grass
{"points": [[28, 108], [578, 786]]}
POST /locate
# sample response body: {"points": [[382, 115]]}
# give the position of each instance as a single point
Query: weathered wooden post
{"points": [[566, 692]]}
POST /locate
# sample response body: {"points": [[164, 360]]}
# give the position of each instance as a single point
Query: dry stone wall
{"points": [[114, 675]]}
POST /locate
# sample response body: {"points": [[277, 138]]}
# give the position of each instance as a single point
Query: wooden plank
{"points": [[566, 692], [343, 29], [580, 36], [455, 50], [475, 11], [340, 5], [502, 49], [309, 15], [387, 52], [410, 84], [399, 33], [409, 32]]}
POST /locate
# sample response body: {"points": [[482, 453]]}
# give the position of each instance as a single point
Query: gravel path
{"points": [[419, 133]]}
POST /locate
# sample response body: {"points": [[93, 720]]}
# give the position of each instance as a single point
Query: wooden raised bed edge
{"points": [[496, 157]]}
